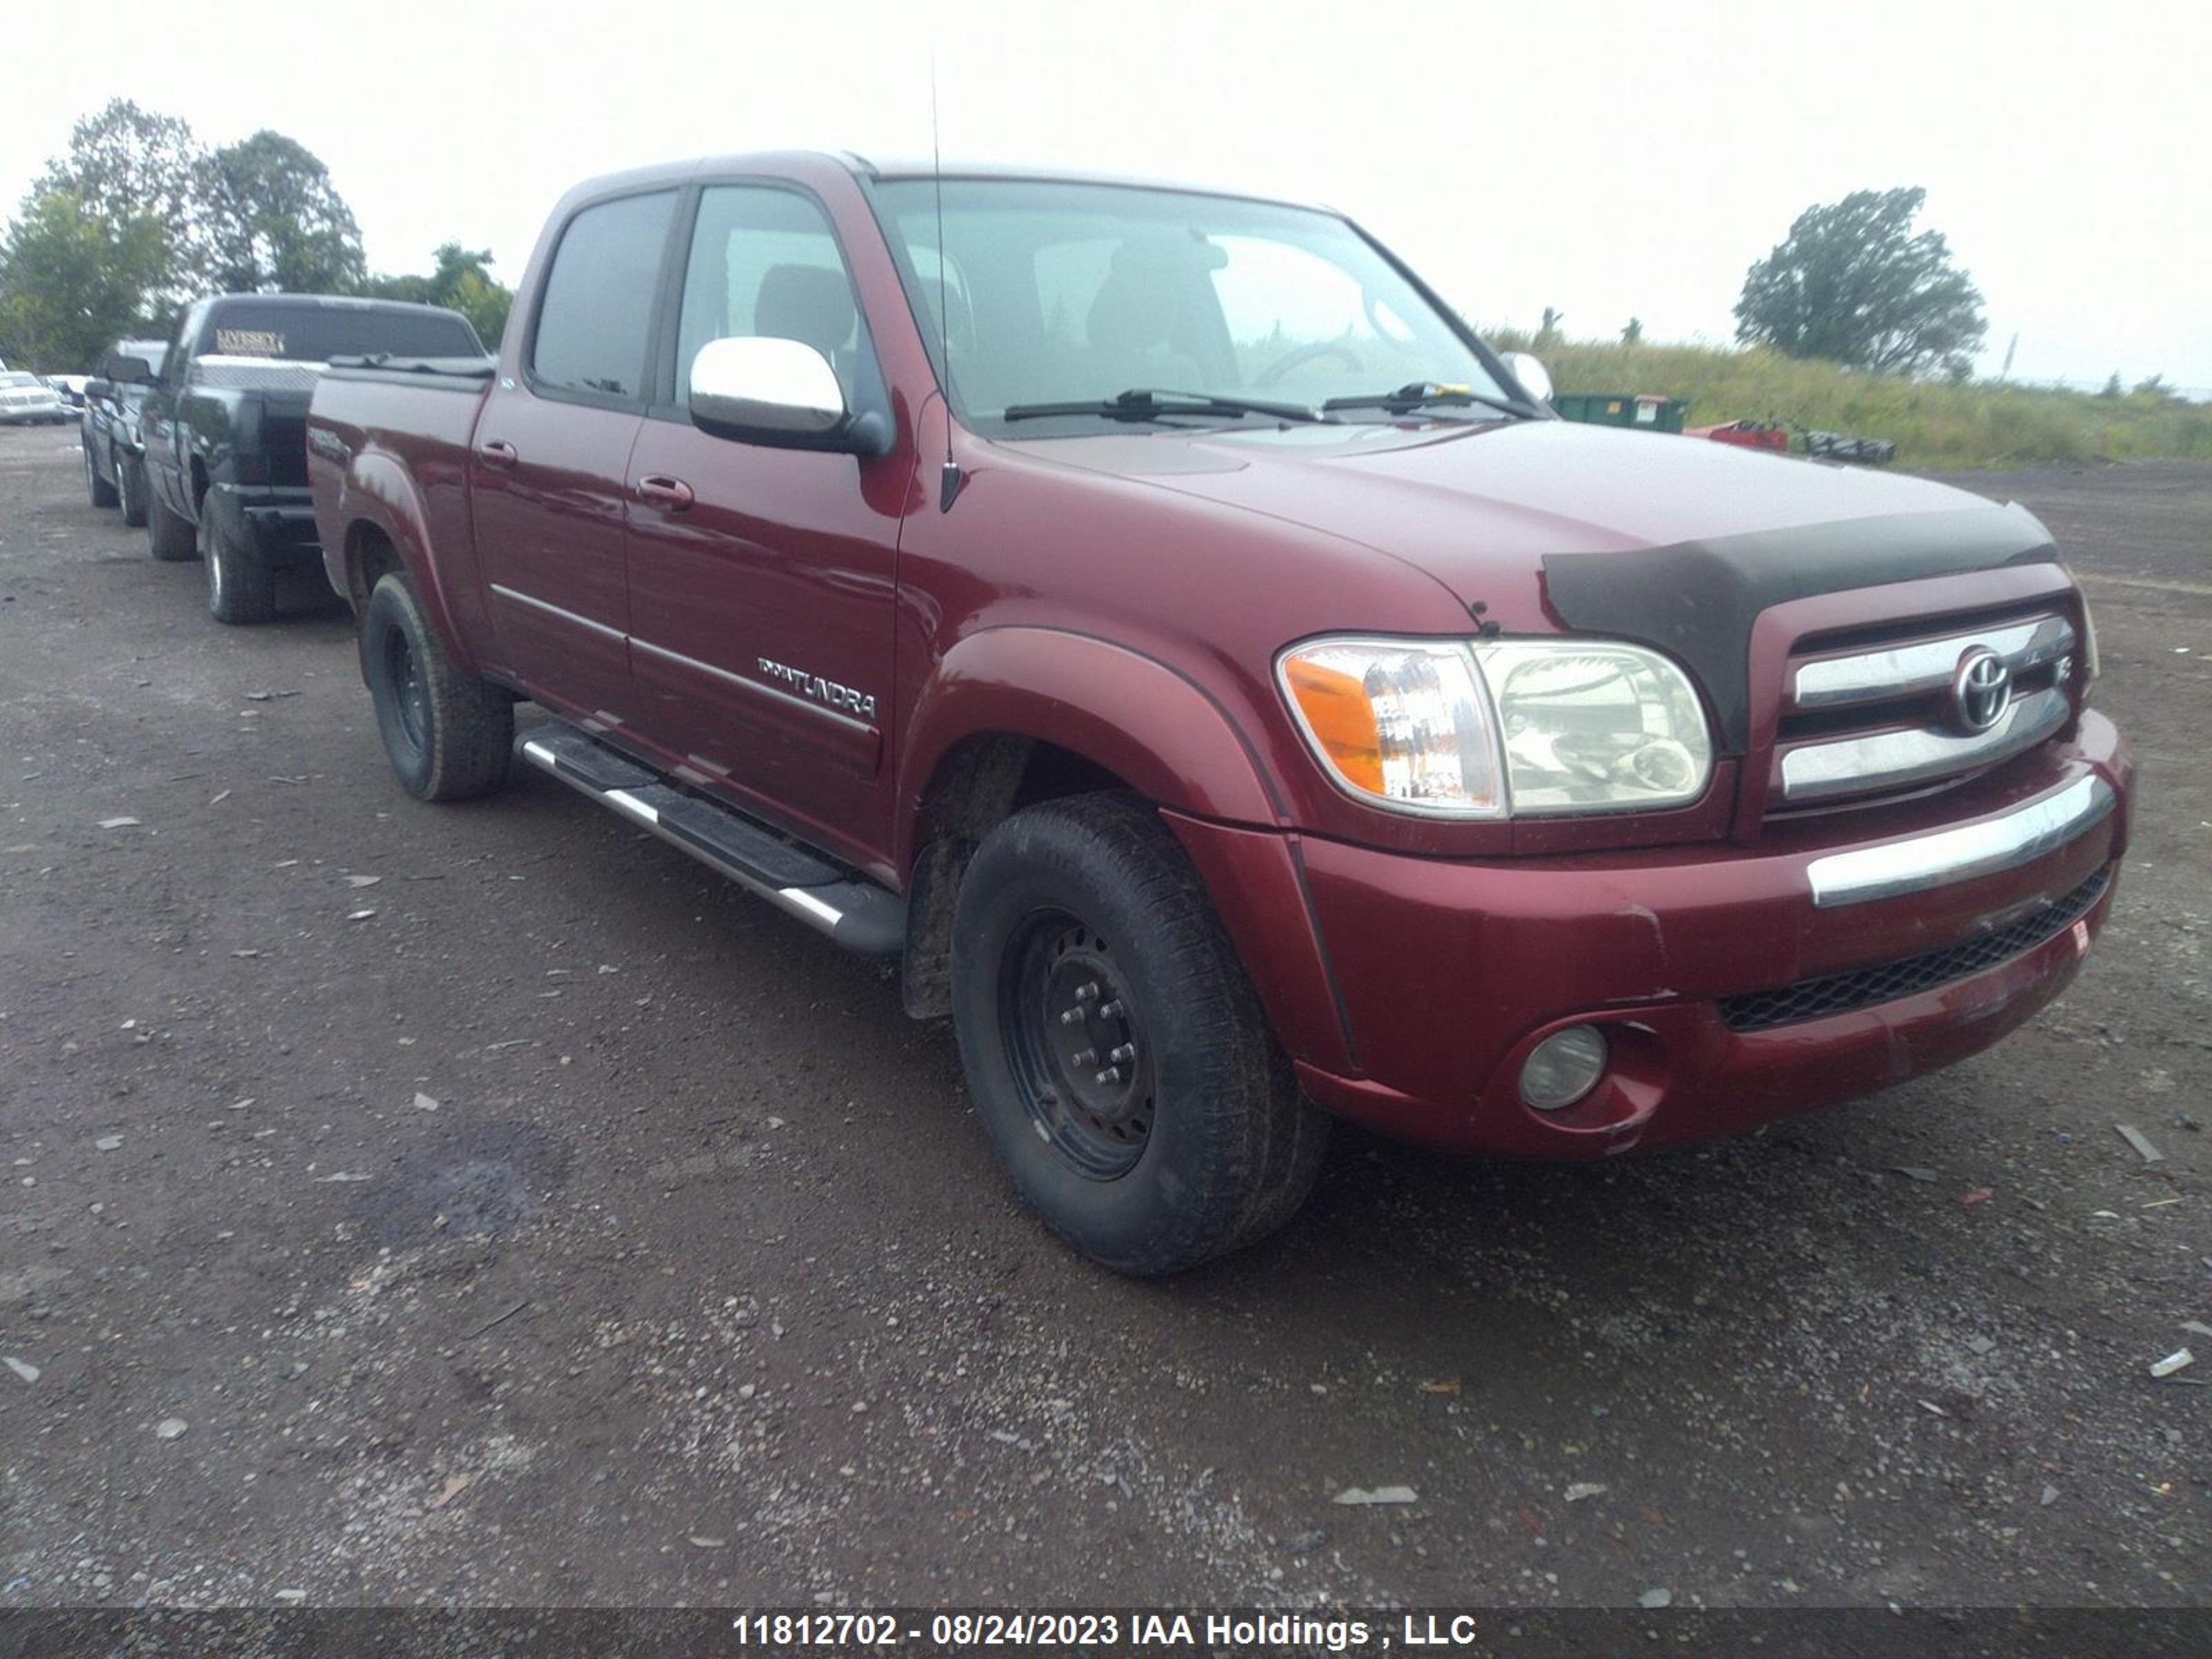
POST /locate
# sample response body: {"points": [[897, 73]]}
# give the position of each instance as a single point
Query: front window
{"points": [[1054, 293]]}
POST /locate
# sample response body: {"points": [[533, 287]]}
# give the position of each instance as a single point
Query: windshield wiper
{"points": [[1149, 404], [1428, 394]]}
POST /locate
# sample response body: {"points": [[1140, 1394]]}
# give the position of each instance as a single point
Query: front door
{"points": [[761, 580], [551, 450]]}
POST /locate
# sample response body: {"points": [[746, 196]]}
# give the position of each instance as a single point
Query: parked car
{"points": [[26, 400], [114, 465], [1156, 621], [223, 425]]}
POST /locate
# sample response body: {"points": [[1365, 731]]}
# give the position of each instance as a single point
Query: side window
{"points": [[598, 308], [766, 262]]}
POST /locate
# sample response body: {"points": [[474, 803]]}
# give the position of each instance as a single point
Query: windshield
{"points": [[1059, 293], [315, 334]]}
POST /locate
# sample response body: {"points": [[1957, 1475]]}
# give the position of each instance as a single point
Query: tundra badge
{"points": [[838, 696]]}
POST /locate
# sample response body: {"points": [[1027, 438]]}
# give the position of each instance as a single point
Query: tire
{"points": [[168, 537], [1200, 1143], [101, 493], [449, 735], [240, 589], [130, 489]]}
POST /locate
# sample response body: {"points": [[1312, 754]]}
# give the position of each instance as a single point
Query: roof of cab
{"points": [[774, 163]]}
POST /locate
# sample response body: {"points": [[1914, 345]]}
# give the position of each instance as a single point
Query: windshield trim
{"points": [[910, 281]]}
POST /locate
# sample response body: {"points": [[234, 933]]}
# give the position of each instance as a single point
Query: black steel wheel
{"points": [[1075, 1044], [449, 735], [1116, 1050]]}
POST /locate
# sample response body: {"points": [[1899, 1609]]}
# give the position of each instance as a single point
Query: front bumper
{"points": [[1442, 974], [275, 522]]}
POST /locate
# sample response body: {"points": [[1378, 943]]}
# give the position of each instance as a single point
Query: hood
{"points": [[1472, 505], [1675, 542]]}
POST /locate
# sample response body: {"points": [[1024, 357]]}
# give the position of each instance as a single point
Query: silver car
{"points": [[25, 400]]}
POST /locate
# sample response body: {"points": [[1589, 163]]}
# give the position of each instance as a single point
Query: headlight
{"points": [[1402, 722], [1592, 726], [1521, 727]]}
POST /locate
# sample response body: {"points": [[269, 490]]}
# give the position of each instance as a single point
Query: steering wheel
{"points": [[1304, 354]]}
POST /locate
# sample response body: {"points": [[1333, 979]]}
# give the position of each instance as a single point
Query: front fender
{"points": [[1171, 740], [1148, 724], [377, 491]]}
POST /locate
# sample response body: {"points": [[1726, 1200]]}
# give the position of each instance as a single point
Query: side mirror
{"points": [[97, 388], [126, 370], [758, 388], [1535, 380]]}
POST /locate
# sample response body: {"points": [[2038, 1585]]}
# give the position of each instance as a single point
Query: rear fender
{"points": [[379, 492]]}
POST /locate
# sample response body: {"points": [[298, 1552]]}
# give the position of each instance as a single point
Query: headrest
{"points": [[808, 303]]}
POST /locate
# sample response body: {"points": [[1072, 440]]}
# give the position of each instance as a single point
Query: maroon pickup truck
{"points": [[1155, 619]]}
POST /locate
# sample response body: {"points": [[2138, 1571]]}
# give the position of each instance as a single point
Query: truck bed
{"points": [[420, 412]]}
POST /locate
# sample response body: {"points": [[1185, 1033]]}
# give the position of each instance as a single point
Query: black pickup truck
{"points": [[114, 474], [224, 428]]}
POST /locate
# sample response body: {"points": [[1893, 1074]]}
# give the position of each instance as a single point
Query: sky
{"points": [[1607, 159]]}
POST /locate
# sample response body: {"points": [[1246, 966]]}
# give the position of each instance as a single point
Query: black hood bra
{"points": [[1697, 601]]}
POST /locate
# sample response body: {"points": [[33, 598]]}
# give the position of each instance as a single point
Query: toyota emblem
{"points": [[1981, 690]]}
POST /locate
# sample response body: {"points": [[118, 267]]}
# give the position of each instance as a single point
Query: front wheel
{"points": [[97, 488], [449, 735], [130, 489], [1116, 1050], [169, 536]]}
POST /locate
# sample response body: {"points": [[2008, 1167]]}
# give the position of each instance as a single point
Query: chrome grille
{"points": [[1882, 719]]}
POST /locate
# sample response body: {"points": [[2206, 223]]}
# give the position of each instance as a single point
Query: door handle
{"points": [[497, 453], [664, 491]]}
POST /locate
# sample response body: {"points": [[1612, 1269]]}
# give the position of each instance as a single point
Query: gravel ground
{"points": [[485, 1204]]}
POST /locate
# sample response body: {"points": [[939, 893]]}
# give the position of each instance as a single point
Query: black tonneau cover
{"points": [[1696, 600], [454, 374]]}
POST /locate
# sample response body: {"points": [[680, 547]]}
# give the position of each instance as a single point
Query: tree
{"points": [[278, 222], [461, 280], [124, 163], [1853, 284], [2155, 386], [2112, 387], [72, 279], [1632, 332]]}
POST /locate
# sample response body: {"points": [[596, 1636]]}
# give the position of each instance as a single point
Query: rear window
{"points": [[315, 334], [597, 312]]}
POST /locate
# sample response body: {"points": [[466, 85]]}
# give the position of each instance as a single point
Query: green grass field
{"points": [[1935, 425]]}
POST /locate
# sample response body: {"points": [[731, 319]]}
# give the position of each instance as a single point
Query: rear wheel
{"points": [[1118, 1054], [167, 535], [240, 589], [449, 735], [100, 492]]}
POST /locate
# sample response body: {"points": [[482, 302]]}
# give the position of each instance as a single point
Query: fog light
{"points": [[1563, 1068]]}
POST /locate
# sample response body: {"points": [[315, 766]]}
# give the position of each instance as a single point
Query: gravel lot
{"points": [[485, 1204]]}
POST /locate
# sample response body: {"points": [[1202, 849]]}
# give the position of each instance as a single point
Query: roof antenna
{"points": [[948, 477]]}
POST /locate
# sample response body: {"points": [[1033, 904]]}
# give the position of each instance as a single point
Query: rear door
{"points": [[762, 580], [551, 450]]}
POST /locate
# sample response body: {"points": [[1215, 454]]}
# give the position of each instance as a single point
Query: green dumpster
{"points": [[1622, 408]]}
